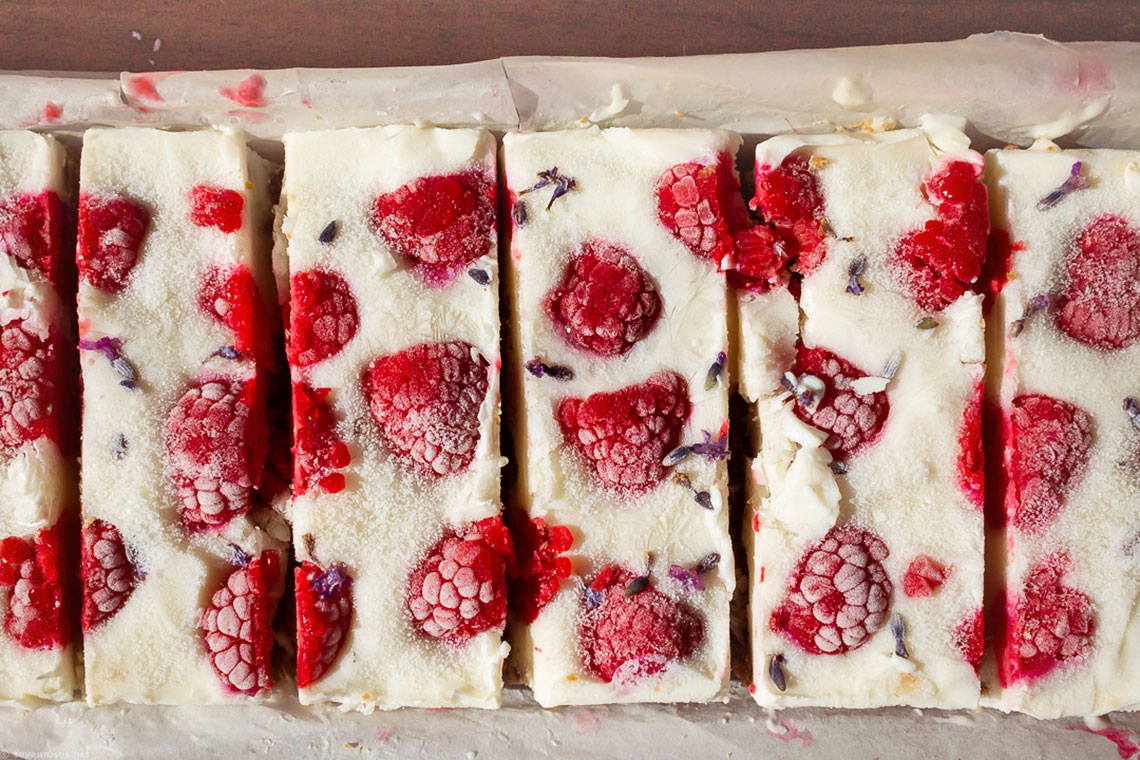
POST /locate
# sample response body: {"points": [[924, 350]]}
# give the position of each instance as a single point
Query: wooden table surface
{"points": [[140, 35]]}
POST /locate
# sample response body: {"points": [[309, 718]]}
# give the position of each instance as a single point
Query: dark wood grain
{"points": [[95, 35]]}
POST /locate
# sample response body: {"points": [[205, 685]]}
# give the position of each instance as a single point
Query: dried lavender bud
{"points": [[538, 368], [1015, 327], [124, 368], [1071, 184], [1038, 303], [561, 188], [518, 212], [228, 352], [637, 585], [238, 556], [708, 562], [711, 450], [1133, 410], [130, 385], [108, 347], [789, 382], [839, 468], [676, 456], [715, 370], [562, 185], [690, 579], [704, 499], [119, 446], [331, 582], [310, 542], [132, 553], [535, 367], [593, 598], [898, 629], [328, 234], [776, 672], [926, 323], [892, 365], [479, 275], [854, 286]]}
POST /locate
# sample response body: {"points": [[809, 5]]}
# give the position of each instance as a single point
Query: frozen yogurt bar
{"points": [[1068, 237], [862, 352], [38, 424], [619, 412], [388, 238], [182, 560]]}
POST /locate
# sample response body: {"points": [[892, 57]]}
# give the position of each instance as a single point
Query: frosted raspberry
{"points": [[215, 450], [541, 569], [762, 260], [30, 232], [924, 576], [630, 637], [216, 207], [459, 589], [941, 261], [439, 223], [971, 462], [111, 231], [323, 316], [1100, 304], [230, 297], [624, 435], [109, 576], [852, 421], [318, 450], [968, 640], [1050, 624], [838, 593], [39, 603], [324, 615], [29, 365], [426, 400], [236, 625], [606, 302], [789, 198], [1049, 442], [698, 203]]}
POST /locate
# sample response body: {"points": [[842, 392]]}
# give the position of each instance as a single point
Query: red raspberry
{"points": [[216, 207], [1049, 442], [39, 605], [1100, 304], [924, 576], [606, 302], [1049, 624], [323, 316], [459, 589], [277, 473], [439, 223], [109, 576], [31, 232], [215, 450], [324, 615], [237, 625], [941, 261], [698, 203], [762, 260], [624, 435], [790, 201], [968, 639], [111, 231], [541, 569], [230, 296], [971, 462], [629, 638], [425, 400], [318, 451], [838, 593], [29, 396], [853, 421]]}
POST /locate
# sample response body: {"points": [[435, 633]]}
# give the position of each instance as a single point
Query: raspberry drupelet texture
{"points": [[323, 316], [971, 459], [317, 449], [324, 615], [111, 232], [924, 576], [541, 568], [34, 570], [790, 200], [29, 368], [229, 295], [1100, 303], [30, 232], [699, 204], [236, 625], [109, 576], [853, 421], [1049, 442], [216, 207]]}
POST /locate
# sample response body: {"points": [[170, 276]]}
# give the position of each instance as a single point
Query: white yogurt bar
{"points": [[620, 412], [1069, 222], [394, 354], [865, 497], [182, 562], [38, 424]]}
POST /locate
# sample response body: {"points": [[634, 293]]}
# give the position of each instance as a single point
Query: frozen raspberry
{"points": [[625, 434], [698, 204], [38, 614], [425, 400], [236, 625], [1050, 623], [29, 364], [762, 260], [1100, 305], [323, 316], [971, 462], [230, 296], [277, 473], [606, 302], [216, 207], [459, 589], [996, 268], [838, 593], [853, 421], [1049, 442], [111, 231], [439, 223], [941, 261], [968, 639], [30, 231], [215, 450], [324, 615], [318, 450], [109, 576], [541, 568], [924, 576], [789, 198], [629, 637]]}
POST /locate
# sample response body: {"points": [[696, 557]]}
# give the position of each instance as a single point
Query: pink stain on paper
{"points": [[789, 734], [51, 112], [385, 737], [249, 93], [586, 723], [1126, 742], [144, 86]]}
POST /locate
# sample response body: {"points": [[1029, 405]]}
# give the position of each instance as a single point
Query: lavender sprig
{"points": [[109, 348], [1071, 184], [711, 450], [562, 185]]}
